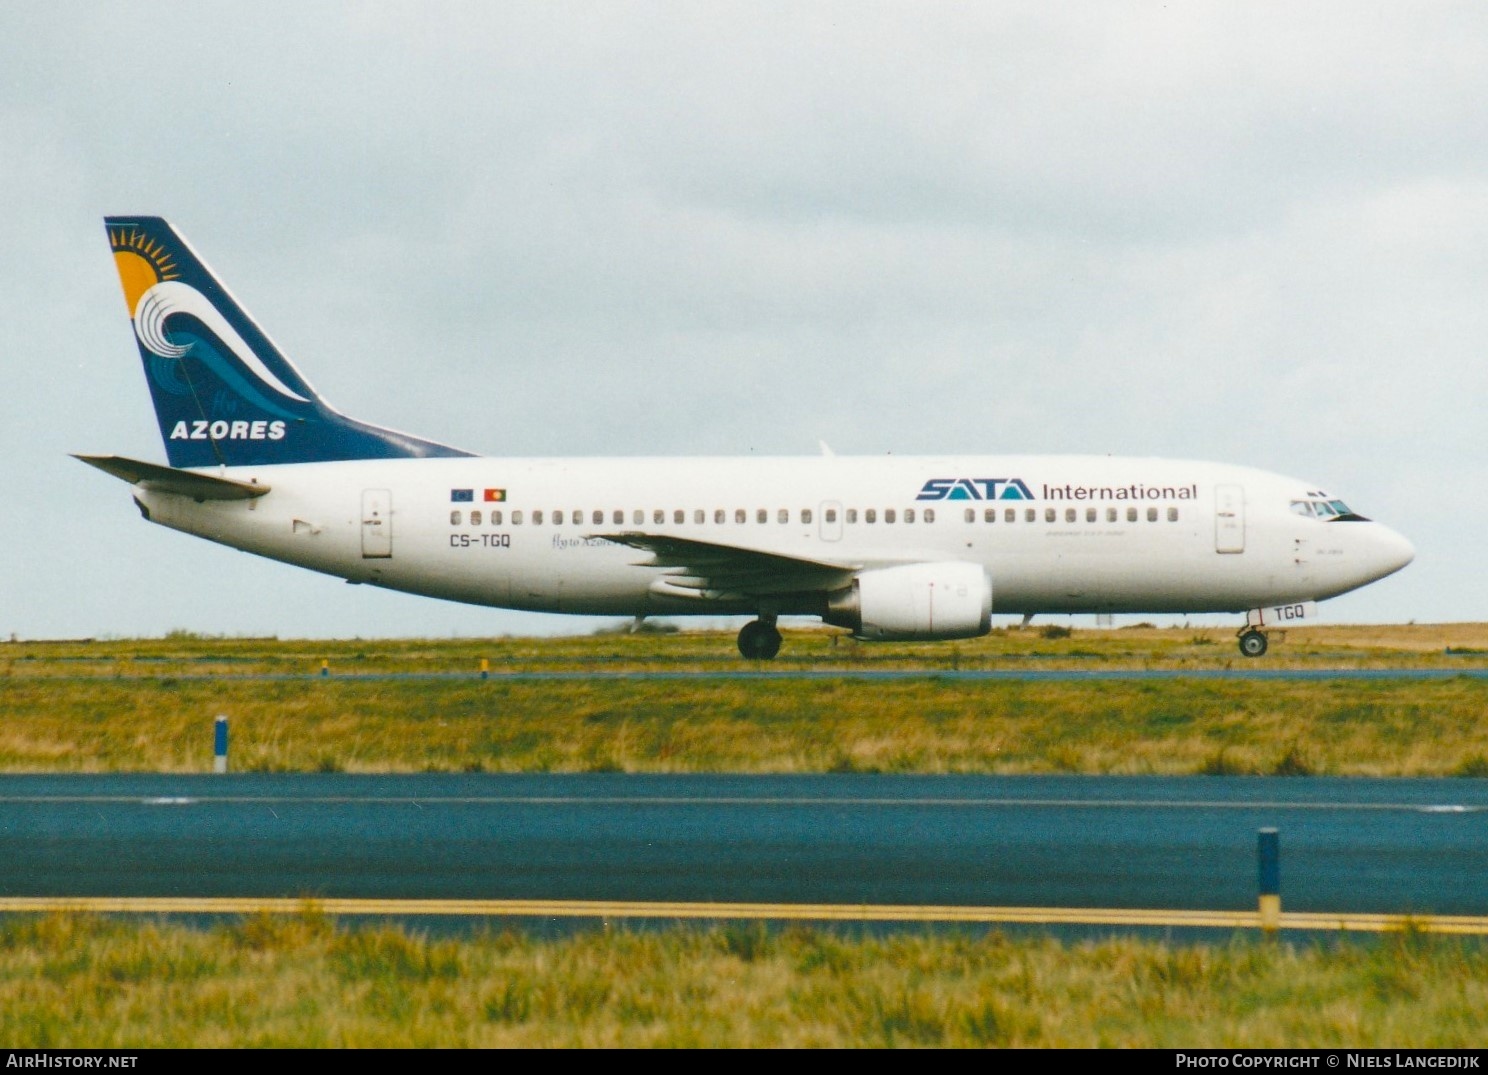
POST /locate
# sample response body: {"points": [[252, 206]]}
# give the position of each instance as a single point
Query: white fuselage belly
{"points": [[1205, 538]]}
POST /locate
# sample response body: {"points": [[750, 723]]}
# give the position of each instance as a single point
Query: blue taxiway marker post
{"points": [[1268, 854], [219, 761]]}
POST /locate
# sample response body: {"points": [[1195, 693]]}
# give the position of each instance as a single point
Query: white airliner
{"points": [[888, 547]]}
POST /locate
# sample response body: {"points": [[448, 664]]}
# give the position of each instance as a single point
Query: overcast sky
{"points": [[1253, 233]]}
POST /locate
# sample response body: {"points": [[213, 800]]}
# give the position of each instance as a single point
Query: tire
{"points": [[758, 641], [1252, 644]]}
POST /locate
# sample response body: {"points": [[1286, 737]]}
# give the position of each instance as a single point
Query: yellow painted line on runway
{"points": [[818, 912]]}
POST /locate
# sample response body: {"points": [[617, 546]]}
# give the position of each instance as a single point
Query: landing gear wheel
{"points": [[759, 641], [1252, 643]]}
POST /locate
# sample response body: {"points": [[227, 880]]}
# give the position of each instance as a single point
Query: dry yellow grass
{"points": [[412, 706], [305, 982]]}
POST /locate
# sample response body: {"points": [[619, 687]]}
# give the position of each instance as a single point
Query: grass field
{"points": [[307, 981], [421, 706]]}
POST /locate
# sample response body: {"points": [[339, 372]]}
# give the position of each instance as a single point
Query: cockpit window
{"points": [[1329, 510]]}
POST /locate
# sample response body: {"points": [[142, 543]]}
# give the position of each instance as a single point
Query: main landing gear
{"points": [[759, 640], [1252, 642]]}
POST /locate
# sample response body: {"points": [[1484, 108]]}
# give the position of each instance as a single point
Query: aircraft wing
{"points": [[713, 570]]}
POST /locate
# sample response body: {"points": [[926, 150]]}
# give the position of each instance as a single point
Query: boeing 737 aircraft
{"points": [[887, 547]]}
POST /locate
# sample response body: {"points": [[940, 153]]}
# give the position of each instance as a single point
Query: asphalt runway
{"points": [[1355, 854]]}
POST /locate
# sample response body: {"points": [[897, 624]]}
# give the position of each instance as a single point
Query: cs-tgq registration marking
{"points": [[480, 541]]}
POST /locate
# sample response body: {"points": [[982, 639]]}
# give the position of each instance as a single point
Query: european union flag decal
{"points": [[462, 496]]}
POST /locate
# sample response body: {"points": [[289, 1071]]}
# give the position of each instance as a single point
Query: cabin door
{"points": [[377, 524], [1229, 518]]}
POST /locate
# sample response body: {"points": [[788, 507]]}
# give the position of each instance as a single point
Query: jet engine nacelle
{"points": [[915, 602]]}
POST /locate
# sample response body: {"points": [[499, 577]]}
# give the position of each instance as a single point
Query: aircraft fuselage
{"points": [[1056, 534]]}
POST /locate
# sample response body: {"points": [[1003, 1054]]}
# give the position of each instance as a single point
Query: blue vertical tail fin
{"points": [[224, 394]]}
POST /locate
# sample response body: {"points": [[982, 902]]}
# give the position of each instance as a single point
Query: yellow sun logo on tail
{"points": [[142, 262]]}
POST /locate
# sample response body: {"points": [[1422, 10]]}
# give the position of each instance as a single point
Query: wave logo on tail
{"points": [[170, 297], [153, 293]]}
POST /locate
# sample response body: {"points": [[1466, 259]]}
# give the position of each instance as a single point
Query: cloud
{"points": [[1245, 233]]}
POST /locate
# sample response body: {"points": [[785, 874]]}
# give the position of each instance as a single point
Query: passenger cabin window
{"points": [[989, 514], [454, 518], [599, 518], [1172, 515], [1090, 515], [537, 518], [658, 516], [719, 516], [475, 517], [1049, 515], [783, 515], [557, 518], [969, 515], [1010, 516], [1152, 515], [888, 515], [929, 515], [679, 516], [1030, 515], [908, 515], [1069, 515], [740, 515], [870, 515], [761, 515], [495, 518], [638, 517], [831, 514], [1131, 515], [699, 517], [1110, 515], [852, 515], [516, 518], [806, 515]]}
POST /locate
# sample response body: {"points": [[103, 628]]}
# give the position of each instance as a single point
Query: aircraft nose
{"points": [[1389, 552]]}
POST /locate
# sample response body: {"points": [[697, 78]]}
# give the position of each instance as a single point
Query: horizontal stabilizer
{"points": [[170, 480]]}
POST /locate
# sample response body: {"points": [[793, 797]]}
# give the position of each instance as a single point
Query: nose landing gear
{"points": [[1252, 642], [759, 640]]}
